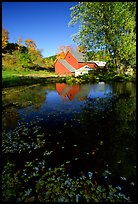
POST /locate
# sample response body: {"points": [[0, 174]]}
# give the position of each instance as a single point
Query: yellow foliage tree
{"points": [[19, 42], [5, 37], [30, 44], [62, 52], [80, 49]]}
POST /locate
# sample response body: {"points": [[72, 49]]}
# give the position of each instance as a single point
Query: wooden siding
{"points": [[60, 69], [71, 60]]}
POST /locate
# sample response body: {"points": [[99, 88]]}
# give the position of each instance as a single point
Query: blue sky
{"points": [[44, 22]]}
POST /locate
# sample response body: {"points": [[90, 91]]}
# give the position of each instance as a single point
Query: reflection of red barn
{"points": [[74, 61], [65, 90], [73, 91]]}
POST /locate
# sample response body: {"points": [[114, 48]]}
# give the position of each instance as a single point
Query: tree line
{"points": [[23, 54]]}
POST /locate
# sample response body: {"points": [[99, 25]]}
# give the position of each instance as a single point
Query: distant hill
{"points": [[53, 57]]}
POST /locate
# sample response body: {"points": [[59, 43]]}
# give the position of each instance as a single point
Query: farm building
{"points": [[74, 64]]}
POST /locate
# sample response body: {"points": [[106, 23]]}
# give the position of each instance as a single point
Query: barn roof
{"points": [[67, 65], [79, 56]]}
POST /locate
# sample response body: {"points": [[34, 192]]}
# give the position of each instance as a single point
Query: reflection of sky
{"points": [[99, 90], [54, 105], [56, 102]]}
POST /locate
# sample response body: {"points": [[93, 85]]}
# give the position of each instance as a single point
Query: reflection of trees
{"points": [[10, 117], [112, 121], [123, 139], [23, 97], [128, 88], [34, 96]]}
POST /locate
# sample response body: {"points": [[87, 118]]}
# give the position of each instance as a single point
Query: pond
{"points": [[89, 128]]}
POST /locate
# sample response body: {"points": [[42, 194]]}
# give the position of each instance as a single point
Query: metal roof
{"points": [[67, 65], [80, 57]]}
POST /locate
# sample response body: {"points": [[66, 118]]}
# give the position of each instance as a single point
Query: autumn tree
{"points": [[5, 37], [109, 26], [63, 51], [23, 56], [80, 48], [34, 53], [20, 44], [30, 44]]}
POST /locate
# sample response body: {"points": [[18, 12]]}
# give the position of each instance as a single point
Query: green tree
{"points": [[110, 26]]}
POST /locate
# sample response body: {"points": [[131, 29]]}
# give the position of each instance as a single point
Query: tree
{"points": [[109, 26], [30, 44], [34, 54], [5, 37], [80, 49], [63, 51], [20, 44]]}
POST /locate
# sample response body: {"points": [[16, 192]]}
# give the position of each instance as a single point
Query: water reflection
{"points": [[81, 92], [29, 102], [10, 117], [80, 123]]}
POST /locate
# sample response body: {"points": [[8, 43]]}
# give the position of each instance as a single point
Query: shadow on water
{"points": [[90, 128]]}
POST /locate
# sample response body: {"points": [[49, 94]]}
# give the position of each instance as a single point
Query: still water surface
{"points": [[91, 127]]}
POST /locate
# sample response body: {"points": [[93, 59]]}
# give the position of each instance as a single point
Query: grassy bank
{"points": [[12, 78]]}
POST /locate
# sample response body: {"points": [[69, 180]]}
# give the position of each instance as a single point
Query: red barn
{"points": [[74, 63]]}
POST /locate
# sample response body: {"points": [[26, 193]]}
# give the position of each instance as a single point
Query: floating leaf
{"points": [[90, 174], [132, 183], [119, 188], [67, 162], [101, 142], [126, 148], [123, 178]]}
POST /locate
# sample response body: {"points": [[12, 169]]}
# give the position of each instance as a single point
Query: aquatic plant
{"points": [[56, 185]]}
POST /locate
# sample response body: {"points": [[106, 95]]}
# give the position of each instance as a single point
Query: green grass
{"points": [[27, 77], [9, 73]]}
